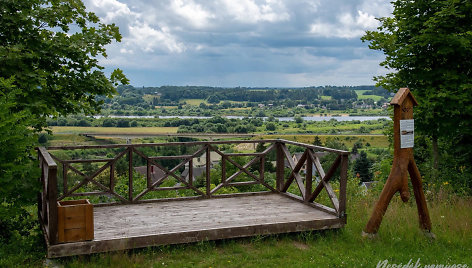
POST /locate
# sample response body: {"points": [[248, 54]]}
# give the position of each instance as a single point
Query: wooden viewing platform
{"points": [[134, 210]]}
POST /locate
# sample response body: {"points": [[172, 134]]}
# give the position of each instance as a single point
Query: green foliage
{"points": [[298, 119], [317, 141], [51, 48], [270, 126], [428, 44], [362, 167], [18, 173]]}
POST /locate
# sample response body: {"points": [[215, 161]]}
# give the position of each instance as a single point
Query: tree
{"points": [[298, 119], [213, 99], [18, 172], [55, 65], [429, 45], [362, 167], [270, 126], [48, 67], [317, 141]]}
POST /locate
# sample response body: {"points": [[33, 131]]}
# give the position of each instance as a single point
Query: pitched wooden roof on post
{"points": [[401, 95]]}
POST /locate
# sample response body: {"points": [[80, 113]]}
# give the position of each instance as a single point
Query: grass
{"points": [[398, 241], [363, 97], [325, 97], [114, 130], [195, 102]]}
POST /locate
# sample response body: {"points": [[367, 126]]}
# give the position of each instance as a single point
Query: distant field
{"points": [[149, 97], [195, 102], [363, 97], [115, 130], [379, 141], [325, 97]]}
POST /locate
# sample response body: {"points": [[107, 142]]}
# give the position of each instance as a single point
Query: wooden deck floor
{"points": [[141, 225]]}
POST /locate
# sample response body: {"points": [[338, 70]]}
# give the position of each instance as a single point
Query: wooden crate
{"points": [[75, 220]]}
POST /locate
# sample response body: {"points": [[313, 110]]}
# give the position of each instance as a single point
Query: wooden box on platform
{"points": [[75, 220]]}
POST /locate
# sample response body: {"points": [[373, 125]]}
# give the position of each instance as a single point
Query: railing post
{"points": [[343, 186], [112, 178], [130, 170], [308, 178], [279, 167], [208, 179], [262, 169], [52, 204], [64, 177], [190, 172]]}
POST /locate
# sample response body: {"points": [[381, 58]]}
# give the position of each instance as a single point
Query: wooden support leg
{"points": [[425, 221], [394, 184]]}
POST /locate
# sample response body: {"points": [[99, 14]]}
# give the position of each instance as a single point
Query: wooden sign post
{"points": [[403, 162]]}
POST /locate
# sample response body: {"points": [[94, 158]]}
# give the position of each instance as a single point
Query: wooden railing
{"points": [[54, 190]]}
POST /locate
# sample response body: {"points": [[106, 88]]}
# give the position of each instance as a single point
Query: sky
{"points": [[248, 43]]}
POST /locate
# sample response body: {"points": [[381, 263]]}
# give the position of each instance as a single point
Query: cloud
{"points": [[192, 12], [243, 42], [347, 26], [248, 11]]}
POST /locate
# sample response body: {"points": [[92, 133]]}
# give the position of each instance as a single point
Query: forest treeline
{"points": [[216, 94]]}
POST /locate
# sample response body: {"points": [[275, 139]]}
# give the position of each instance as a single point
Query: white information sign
{"points": [[407, 133]]}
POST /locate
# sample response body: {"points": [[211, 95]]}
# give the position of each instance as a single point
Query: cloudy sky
{"points": [[273, 43]]}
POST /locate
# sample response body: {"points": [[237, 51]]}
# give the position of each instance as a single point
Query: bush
{"points": [[108, 122]]}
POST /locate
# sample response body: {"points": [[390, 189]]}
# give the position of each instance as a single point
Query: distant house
{"points": [[201, 160], [156, 173], [196, 172], [260, 105]]}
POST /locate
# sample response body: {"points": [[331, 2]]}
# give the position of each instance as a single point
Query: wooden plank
{"points": [[88, 178], [89, 227], [52, 207], [134, 226], [280, 166], [244, 154], [64, 177], [295, 170], [169, 173], [223, 169], [148, 173], [242, 183], [314, 204], [208, 167], [190, 143], [262, 168], [314, 147], [297, 176], [89, 193], [74, 161], [47, 157], [170, 157], [71, 249], [190, 171], [112, 177], [326, 184], [130, 175], [308, 178], [343, 187], [170, 188], [327, 177], [242, 168]]}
